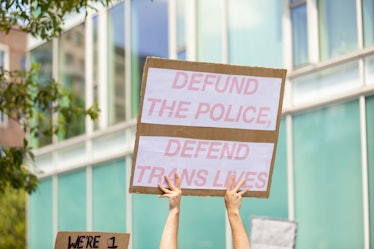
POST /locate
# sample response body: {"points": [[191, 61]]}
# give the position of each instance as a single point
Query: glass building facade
{"points": [[324, 170]]}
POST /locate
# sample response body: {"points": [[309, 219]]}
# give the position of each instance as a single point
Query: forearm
{"points": [[239, 235], [169, 238]]}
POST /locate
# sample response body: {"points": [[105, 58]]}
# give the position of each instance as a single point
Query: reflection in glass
{"points": [[209, 31], [370, 149], [337, 27], [328, 177], [369, 70], [325, 83], [181, 29], [368, 22], [116, 64], [95, 63], [299, 35], [149, 37], [72, 75], [255, 38], [42, 55]]}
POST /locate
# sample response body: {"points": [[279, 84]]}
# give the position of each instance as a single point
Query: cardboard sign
{"points": [[272, 233], [205, 121], [100, 240]]}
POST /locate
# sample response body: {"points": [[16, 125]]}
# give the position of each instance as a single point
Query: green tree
{"points": [[23, 99], [12, 216]]}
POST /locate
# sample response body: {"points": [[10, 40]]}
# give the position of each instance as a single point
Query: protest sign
{"points": [[205, 121], [272, 233], [100, 240]]}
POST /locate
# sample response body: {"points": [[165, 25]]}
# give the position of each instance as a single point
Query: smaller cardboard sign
{"points": [[99, 240], [272, 233]]}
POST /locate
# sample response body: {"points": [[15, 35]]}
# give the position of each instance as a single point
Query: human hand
{"points": [[174, 192], [233, 198]]}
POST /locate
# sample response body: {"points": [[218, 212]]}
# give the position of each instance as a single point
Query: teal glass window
{"points": [[202, 222], [299, 35], [276, 205], [40, 208], [370, 150], [337, 27], [72, 201], [42, 55], [368, 22], [328, 177], [209, 31], [149, 37], [72, 76], [108, 198], [149, 214], [116, 64], [254, 38]]}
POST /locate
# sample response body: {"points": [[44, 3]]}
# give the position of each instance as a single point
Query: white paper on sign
{"points": [[270, 233], [202, 164], [178, 97]]}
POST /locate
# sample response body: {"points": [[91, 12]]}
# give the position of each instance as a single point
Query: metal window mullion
{"points": [[360, 32], [290, 168], [173, 19], [103, 66], [287, 35], [129, 213], [128, 86], [365, 177], [55, 75], [191, 40], [89, 68], [313, 35]]}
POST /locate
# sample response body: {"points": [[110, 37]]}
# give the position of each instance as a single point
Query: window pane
{"points": [[149, 216], [369, 70], [72, 75], [181, 29], [337, 27], [40, 210], [203, 220], [149, 37], [42, 55], [72, 201], [299, 35], [277, 204], [368, 22], [370, 150], [326, 83], [254, 38], [95, 63], [209, 31], [116, 67], [108, 198], [328, 177]]}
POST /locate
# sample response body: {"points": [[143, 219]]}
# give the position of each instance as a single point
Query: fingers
{"points": [[172, 187], [237, 187]]}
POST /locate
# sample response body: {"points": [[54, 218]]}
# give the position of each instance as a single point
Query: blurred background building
{"points": [[12, 57], [324, 172]]}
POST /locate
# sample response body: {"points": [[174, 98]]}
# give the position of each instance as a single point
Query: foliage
{"points": [[23, 99], [12, 216], [41, 18]]}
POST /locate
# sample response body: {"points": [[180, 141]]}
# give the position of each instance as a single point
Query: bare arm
{"points": [[169, 238], [233, 202]]}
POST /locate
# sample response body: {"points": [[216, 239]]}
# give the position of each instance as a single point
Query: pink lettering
{"points": [[180, 80], [173, 147]]}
